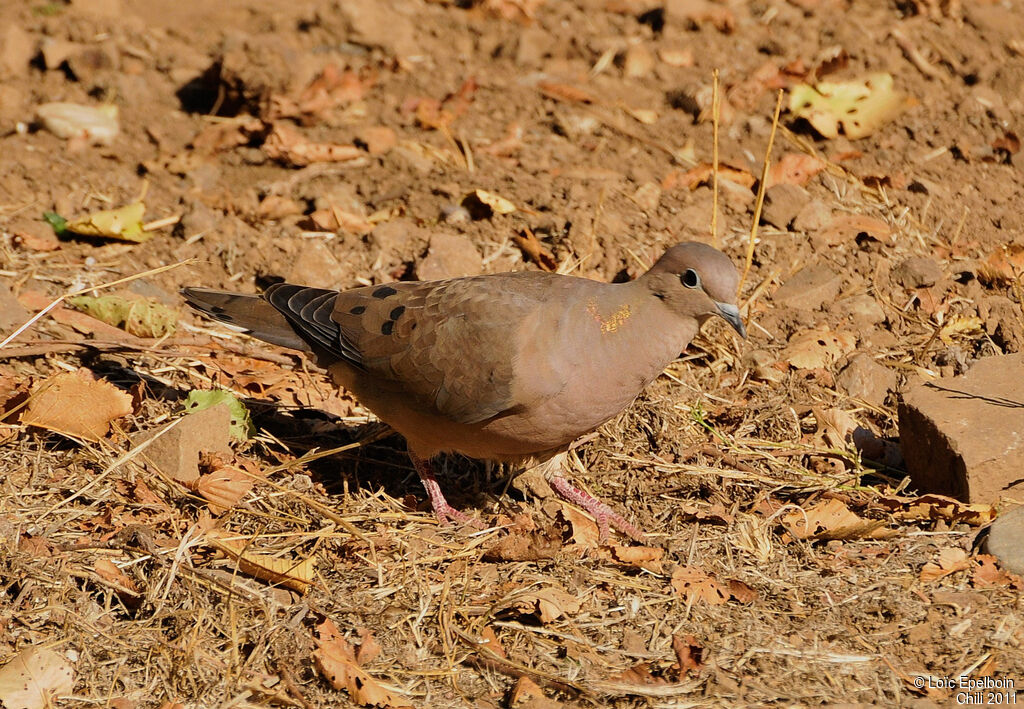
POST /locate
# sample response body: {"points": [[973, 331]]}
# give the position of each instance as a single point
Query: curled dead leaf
{"points": [[290, 573], [289, 147], [987, 574], [548, 604], [935, 507], [534, 250], [225, 483]]}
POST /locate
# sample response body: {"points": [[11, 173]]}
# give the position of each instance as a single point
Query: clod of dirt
{"points": [[782, 203], [917, 272], [810, 288], [862, 309], [1004, 540], [960, 436], [812, 216], [867, 380], [175, 447], [450, 256], [16, 50]]}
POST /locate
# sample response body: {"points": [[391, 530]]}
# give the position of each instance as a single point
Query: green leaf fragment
{"points": [[241, 423]]}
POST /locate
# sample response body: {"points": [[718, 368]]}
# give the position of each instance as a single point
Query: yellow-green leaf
{"points": [[138, 316], [124, 224], [858, 107]]}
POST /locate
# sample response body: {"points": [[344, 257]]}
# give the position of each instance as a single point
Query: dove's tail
{"points": [[250, 314]]}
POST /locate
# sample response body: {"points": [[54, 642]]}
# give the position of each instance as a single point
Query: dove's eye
{"points": [[689, 278]]}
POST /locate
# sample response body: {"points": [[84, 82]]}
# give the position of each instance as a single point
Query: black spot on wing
{"points": [[397, 312], [387, 327], [383, 292], [358, 310]]}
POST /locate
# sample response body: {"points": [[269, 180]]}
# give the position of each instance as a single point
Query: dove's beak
{"points": [[732, 316]]}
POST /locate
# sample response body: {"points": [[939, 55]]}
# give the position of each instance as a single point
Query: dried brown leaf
{"points": [[289, 147], [948, 561], [548, 604], [697, 586], [290, 573], [832, 519], [535, 250], [818, 348], [987, 573], [794, 169], [33, 677], [76, 404], [336, 661], [934, 507], [689, 655]]}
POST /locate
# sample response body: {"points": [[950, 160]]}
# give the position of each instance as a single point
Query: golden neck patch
{"points": [[612, 322]]}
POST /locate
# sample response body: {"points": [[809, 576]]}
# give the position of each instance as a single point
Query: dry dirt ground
{"points": [[334, 144]]}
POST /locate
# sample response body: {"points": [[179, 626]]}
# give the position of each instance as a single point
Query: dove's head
{"points": [[698, 281]]}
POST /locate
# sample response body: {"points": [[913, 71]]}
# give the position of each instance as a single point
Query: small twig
{"points": [[715, 116], [32, 320], [161, 223], [760, 194], [913, 54]]}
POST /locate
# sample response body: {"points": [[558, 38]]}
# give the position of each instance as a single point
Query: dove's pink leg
{"points": [[602, 513], [444, 512]]}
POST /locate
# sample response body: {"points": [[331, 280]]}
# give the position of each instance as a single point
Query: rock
{"points": [[317, 266], [917, 272], [16, 50], [373, 23], [56, 51], [377, 139], [647, 196], [90, 62], [175, 447], [12, 315], [964, 436], [534, 45], [1006, 540], [809, 289], [450, 256], [637, 62], [200, 219], [100, 8], [782, 203], [867, 380], [812, 217], [1002, 318], [862, 309]]}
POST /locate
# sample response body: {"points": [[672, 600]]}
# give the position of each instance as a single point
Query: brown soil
{"points": [[586, 116]]}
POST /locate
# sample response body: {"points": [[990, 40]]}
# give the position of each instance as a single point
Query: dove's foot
{"points": [[602, 513], [445, 513]]}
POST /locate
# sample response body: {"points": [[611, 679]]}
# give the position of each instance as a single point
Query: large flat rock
{"points": [[964, 436]]}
